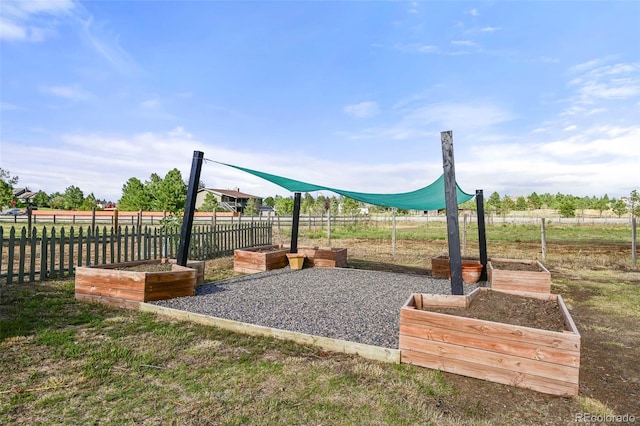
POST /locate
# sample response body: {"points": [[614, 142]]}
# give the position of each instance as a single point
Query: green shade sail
{"points": [[428, 198]]}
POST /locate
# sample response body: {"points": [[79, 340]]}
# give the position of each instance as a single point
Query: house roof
{"points": [[19, 191], [23, 193], [233, 193]]}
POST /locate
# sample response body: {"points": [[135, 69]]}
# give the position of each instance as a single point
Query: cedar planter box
{"points": [[325, 257], [511, 274], [440, 266], [542, 360], [113, 284], [259, 259], [198, 265]]}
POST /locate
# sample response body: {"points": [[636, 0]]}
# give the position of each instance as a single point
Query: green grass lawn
{"points": [[66, 362]]}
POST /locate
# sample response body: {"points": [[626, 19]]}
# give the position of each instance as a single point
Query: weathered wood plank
{"points": [[569, 357], [532, 281], [493, 374], [461, 352], [119, 293], [548, 338], [110, 301]]}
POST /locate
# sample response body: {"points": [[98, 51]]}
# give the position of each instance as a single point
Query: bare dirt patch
{"points": [[511, 309], [149, 267], [515, 266]]}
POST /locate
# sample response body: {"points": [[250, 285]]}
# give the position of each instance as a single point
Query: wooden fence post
{"points": [[393, 232], [634, 259], [543, 239]]}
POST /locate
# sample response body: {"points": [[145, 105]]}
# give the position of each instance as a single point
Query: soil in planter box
{"points": [[515, 266], [511, 309], [266, 250], [151, 267]]}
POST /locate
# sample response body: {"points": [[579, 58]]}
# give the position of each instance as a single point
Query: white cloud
{"points": [[596, 161], [27, 20], [66, 92], [362, 109], [468, 43], [489, 29], [570, 128], [150, 104], [6, 106], [473, 12], [416, 48], [108, 46], [595, 82], [417, 120], [549, 59]]}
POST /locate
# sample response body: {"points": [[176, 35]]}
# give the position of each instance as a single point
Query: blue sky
{"points": [[540, 96]]}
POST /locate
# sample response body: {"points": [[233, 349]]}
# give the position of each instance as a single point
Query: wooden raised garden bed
{"points": [[543, 360], [518, 275], [126, 284], [325, 257], [259, 259]]}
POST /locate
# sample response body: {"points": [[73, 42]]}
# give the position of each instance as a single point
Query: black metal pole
{"points": [[190, 208], [296, 222], [482, 233], [451, 197]]}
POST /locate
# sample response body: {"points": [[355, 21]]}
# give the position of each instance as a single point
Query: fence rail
{"points": [[54, 253]]}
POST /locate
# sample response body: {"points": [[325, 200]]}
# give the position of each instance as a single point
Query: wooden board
{"points": [[325, 257], [106, 284], [109, 301], [252, 260], [542, 360], [528, 281]]}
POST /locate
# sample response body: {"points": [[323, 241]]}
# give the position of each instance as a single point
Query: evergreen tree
{"points": [[134, 196], [507, 204], [521, 203], [535, 201], [57, 200], [73, 198], [567, 207], [494, 203], [89, 203], [173, 192], [210, 203], [41, 199], [269, 201], [252, 208], [153, 189]]}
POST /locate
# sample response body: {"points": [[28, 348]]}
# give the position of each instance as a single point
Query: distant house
{"points": [[228, 199], [24, 195]]}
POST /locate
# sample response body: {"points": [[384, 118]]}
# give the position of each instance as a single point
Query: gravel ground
{"points": [[350, 304]]}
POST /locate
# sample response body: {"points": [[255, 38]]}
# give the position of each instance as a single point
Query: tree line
{"points": [[169, 193], [567, 205]]}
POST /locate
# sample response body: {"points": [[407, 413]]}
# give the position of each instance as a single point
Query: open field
{"points": [[66, 362]]}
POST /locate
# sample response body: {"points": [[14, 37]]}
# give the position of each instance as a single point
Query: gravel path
{"points": [[350, 304]]}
